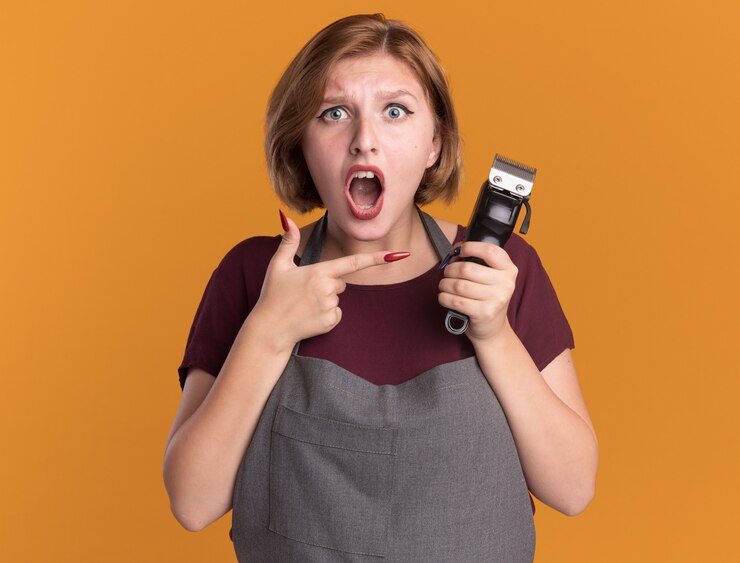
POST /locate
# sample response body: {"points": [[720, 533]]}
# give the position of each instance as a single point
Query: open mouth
{"points": [[364, 191]]}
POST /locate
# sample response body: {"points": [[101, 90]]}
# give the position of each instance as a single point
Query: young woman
{"points": [[323, 399]]}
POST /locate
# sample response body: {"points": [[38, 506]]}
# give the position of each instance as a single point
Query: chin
{"points": [[367, 230]]}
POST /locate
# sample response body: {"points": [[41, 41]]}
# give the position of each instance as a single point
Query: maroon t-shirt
{"points": [[388, 333]]}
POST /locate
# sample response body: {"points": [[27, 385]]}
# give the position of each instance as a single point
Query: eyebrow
{"points": [[382, 95]]}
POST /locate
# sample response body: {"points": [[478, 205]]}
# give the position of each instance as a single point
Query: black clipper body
{"points": [[495, 214]]}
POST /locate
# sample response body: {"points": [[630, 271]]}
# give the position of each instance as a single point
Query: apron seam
{"points": [[354, 424], [328, 547], [320, 445]]}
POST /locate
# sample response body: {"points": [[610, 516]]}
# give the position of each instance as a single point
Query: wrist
{"points": [[261, 328], [498, 339]]}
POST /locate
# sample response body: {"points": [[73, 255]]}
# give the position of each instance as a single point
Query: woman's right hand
{"points": [[300, 302]]}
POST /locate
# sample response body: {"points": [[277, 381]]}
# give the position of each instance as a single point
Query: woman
{"points": [[366, 430]]}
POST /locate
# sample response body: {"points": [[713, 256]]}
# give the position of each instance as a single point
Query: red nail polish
{"points": [[393, 256], [284, 220]]}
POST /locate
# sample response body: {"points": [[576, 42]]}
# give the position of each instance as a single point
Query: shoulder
{"points": [[237, 280], [521, 252], [531, 271], [253, 249], [254, 253], [246, 262]]}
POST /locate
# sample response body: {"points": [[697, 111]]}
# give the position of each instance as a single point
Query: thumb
{"points": [[285, 253]]}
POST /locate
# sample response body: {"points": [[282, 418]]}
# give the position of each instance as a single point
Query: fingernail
{"points": [[284, 220], [393, 256], [449, 257]]}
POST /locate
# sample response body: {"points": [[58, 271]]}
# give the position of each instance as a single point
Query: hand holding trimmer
{"points": [[500, 199]]}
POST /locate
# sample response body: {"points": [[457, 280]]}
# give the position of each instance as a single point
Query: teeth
{"points": [[364, 174]]}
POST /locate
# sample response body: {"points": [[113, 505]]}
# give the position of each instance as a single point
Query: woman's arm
{"points": [[218, 416], [554, 436], [553, 433], [215, 424]]}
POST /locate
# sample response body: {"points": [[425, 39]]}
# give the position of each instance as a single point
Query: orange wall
{"points": [[130, 162]]}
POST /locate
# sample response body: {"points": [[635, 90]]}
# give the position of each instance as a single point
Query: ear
{"points": [[436, 150]]}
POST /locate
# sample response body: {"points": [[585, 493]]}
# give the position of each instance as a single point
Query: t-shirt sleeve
{"points": [[231, 292], [534, 312]]}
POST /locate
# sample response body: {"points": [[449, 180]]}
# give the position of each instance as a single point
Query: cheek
{"points": [[324, 166], [424, 142], [314, 145], [317, 158], [420, 150]]}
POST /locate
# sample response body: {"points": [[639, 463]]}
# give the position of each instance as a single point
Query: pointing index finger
{"points": [[355, 262]]}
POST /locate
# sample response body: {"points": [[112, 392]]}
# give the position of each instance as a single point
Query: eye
{"points": [[333, 114], [397, 111]]}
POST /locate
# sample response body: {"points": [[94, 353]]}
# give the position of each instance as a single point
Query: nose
{"points": [[365, 138]]}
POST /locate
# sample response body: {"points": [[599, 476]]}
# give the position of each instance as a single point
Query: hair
{"points": [[299, 93]]}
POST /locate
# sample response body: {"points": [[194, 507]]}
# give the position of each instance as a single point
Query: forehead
{"points": [[379, 72]]}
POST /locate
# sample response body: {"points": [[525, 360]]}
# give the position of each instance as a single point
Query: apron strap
{"points": [[312, 251], [435, 234]]}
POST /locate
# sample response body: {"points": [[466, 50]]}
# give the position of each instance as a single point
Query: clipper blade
{"points": [[512, 176]]}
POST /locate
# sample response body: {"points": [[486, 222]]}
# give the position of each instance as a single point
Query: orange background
{"points": [[131, 161]]}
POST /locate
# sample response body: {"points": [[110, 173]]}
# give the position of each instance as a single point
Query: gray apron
{"points": [[340, 469]]}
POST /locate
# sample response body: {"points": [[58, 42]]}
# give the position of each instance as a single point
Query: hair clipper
{"points": [[496, 211]]}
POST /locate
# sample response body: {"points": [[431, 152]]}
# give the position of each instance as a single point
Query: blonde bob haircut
{"points": [[300, 91]]}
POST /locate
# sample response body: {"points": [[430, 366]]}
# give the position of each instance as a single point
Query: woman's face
{"points": [[370, 143]]}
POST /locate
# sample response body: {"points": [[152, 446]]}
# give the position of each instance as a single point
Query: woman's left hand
{"points": [[482, 293]]}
